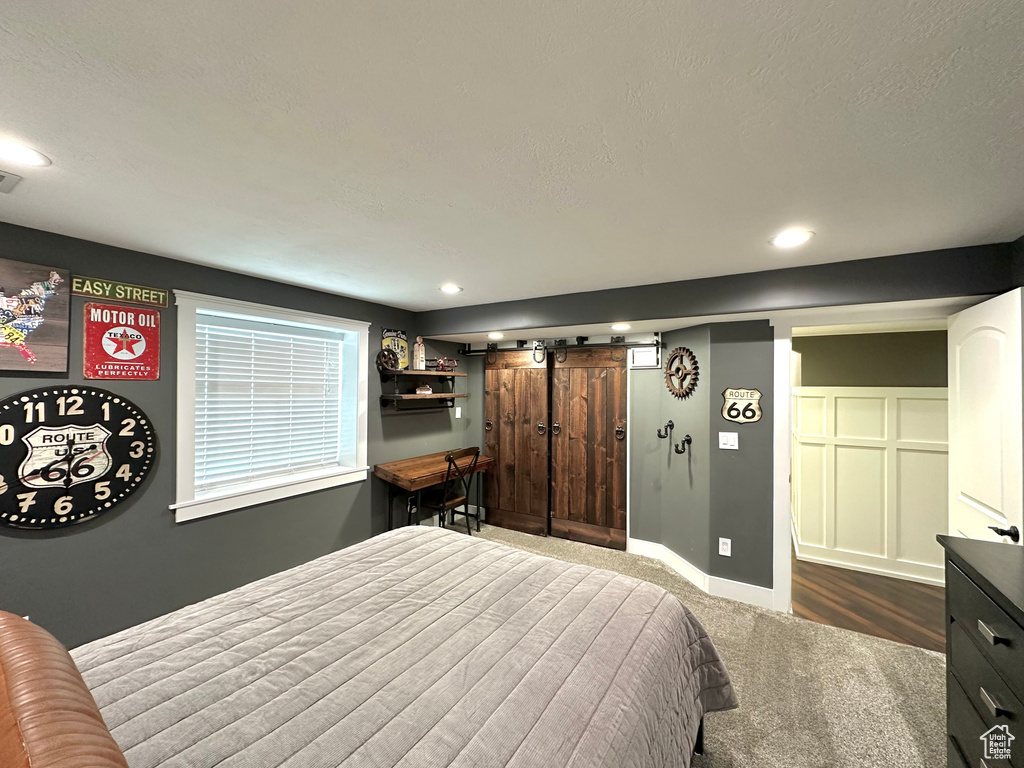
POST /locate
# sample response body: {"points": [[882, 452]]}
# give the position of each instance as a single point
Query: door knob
{"points": [[541, 429], [620, 432], [488, 425], [556, 428], [1012, 532]]}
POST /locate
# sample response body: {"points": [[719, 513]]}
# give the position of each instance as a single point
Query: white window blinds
{"points": [[268, 401]]}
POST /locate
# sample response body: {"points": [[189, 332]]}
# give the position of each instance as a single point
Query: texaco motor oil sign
{"points": [[742, 405], [121, 342]]}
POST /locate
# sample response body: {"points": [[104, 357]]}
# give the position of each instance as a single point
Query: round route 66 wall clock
{"points": [[68, 454]]}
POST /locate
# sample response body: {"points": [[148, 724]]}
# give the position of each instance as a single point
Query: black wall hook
{"points": [[684, 442], [668, 430]]}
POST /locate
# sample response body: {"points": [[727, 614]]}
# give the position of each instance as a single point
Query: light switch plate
{"points": [[458, 411], [725, 547], [729, 441]]}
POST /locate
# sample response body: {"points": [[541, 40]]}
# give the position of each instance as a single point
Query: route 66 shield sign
{"points": [[60, 457], [741, 405]]}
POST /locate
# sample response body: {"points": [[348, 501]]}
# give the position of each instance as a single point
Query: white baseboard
{"points": [[921, 573], [713, 585]]}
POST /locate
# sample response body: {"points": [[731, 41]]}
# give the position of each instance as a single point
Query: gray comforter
{"points": [[421, 647]]}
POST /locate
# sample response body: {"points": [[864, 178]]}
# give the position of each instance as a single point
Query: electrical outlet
{"points": [[725, 547], [458, 411]]}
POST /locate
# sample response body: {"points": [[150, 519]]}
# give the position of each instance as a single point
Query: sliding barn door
{"points": [[516, 434], [588, 445]]}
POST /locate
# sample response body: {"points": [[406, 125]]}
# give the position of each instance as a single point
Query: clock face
{"points": [[68, 454]]}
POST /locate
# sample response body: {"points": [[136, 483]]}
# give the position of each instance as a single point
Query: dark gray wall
{"points": [[873, 360], [647, 454], [669, 497], [1017, 250], [973, 271], [686, 481], [135, 563], [687, 501], [742, 482]]}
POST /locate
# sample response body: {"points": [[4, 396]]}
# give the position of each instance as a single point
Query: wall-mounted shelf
{"points": [[409, 372], [432, 396], [410, 401]]}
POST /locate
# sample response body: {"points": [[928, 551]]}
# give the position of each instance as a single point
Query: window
{"points": [[271, 404]]}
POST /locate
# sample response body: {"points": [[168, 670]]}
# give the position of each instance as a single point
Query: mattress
{"points": [[420, 647]]}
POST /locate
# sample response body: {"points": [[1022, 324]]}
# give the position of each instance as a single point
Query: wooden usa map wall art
{"points": [[70, 453], [34, 313]]}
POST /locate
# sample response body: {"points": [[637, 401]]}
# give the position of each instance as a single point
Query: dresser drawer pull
{"points": [[988, 634], [990, 704]]}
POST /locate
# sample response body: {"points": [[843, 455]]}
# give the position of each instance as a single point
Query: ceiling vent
{"points": [[8, 180]]}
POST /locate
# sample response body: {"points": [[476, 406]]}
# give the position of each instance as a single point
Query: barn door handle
{"points": [[1012, 532], [556, 428], [541, 429], [620, 432], [488, 425]]}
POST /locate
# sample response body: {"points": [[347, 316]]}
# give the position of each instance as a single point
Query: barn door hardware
{"points": [[556, 428], [539, 345], [680, 447], [541, 429], [668, 430], [488, 425], [1012, 532], [492, 354], [620, 432]]}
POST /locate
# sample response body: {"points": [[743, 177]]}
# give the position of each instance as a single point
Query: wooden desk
{"points": [[421, 472]]}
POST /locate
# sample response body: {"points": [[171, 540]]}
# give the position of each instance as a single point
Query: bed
{"points": [[420, 647]]}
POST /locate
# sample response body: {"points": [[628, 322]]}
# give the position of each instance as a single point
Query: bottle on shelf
{"points": [[419, 355]]}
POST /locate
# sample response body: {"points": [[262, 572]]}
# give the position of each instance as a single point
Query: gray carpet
{"points": [[811, 696]]}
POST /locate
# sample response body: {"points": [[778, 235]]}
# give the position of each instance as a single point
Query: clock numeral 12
{"points": [[70, 406], [35, 409], [106, 411]]}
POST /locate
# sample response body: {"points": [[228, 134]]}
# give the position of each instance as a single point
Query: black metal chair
{"points": [[454, 492]]}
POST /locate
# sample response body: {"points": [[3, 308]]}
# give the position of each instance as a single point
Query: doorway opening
{"points": [[869, 447]]}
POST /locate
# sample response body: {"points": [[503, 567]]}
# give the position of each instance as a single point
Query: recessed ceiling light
{"points": [[495, 335], [451, 288], [13, 152], [620, 327], [791, 238]]}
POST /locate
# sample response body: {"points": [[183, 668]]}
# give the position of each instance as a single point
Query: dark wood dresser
{"points": [[984, 651]]}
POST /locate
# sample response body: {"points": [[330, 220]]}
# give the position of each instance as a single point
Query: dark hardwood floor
{"points": [[895, 609]]}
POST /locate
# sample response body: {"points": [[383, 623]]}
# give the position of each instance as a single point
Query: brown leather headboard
{"points": [[48, 718]]}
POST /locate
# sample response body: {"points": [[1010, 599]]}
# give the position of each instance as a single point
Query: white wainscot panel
{"points": [[810, 414], [860, 417], [871, 493], [922, 488], [860, 500], [811, 493], [922, 421]]}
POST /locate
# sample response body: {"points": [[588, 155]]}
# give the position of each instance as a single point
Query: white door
{"points": [[985, 431]]}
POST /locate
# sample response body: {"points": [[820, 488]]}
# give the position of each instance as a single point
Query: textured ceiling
{"points": [[520, 149]]}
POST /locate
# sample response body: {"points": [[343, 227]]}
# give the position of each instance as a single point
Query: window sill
{"points": [[227, 501]]}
